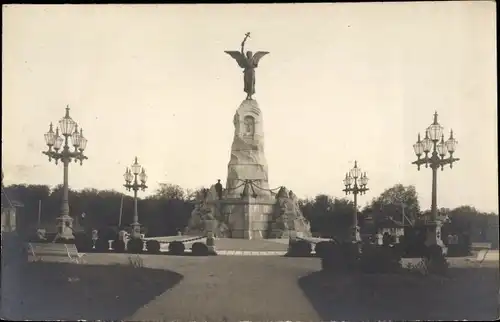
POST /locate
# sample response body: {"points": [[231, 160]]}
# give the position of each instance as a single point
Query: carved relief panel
{"points": [[249, 126]]}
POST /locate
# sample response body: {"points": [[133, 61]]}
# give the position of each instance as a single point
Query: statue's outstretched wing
{"points": [[238, 56], [258, 55]]}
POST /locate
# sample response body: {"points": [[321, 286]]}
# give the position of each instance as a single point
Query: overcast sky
{"points": [[342, 82]]}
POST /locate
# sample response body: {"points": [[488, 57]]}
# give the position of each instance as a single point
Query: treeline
{"points": [[168, 210]]}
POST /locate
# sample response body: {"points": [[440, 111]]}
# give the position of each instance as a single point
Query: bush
{"points": [[300, 248], [436, 261], [13, 249], [380, 259], [102, 245], [83, 243], [118, 246], [341, 257], [176, 248], [108, 233], [323, 248], [135, 246], [458, 250], [433, 251], [153, 246], [199, 249]]}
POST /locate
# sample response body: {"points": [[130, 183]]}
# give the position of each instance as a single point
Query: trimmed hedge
{"points": [[199, 249], [153, 246], [341, 257], [436, 261], [380, 259], [458, 250], [176, 248], [300, 248], [118, 246], [102, 245], [323, 248], [83, 243], [135, 246]]}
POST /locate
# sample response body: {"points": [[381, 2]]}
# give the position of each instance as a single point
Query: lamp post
{"points": [[55, 140], [131, 183], [355, 182], [434, 144]]}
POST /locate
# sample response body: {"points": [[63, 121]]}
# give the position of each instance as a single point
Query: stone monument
{"points": [[247, 208]]}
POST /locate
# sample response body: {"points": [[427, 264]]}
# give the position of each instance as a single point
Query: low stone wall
{"points": [[487, 255]]}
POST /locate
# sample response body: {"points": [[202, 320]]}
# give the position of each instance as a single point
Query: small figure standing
{"points": [[95, 237], [218, 189]]}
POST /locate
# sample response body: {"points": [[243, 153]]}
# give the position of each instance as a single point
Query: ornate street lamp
{"points": [[355, 182], [435, 145], [131, 183], [55, 141]]}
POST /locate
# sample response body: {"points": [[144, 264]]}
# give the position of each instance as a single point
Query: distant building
{"points": [[391, 226], [9, 213]]}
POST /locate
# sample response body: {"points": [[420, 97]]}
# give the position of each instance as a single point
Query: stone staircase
{"points": [[39, 250]]}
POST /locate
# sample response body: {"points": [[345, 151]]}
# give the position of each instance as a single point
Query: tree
{"points": [[191, 194], [391, 201], [170, 191], [328, 216]]}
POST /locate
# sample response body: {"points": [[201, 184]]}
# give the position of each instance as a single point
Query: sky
{"points": [[342, 82]]}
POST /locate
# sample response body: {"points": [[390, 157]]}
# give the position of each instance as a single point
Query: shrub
{"points": [[341, 257], [330, 259], [412, 247], [323, 248], [433, 251], [13, 249], [176, 248], [399, 250], [135, 246], [199, 249], [153, 246], [300, 248], [118, 246], [108, 233], [83, 243], [436, 261], [458, 250], [102, 245], [380, 259]]}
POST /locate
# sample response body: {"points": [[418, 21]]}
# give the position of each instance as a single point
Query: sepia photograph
{"points": [[250, 162]]}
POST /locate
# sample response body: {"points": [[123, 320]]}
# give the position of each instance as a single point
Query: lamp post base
{"points": [[355, 235], [65, 227], [136, 230], [433, 236]]}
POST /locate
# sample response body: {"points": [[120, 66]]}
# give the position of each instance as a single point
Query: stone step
{"points": [[52, 249], [249, 253]]}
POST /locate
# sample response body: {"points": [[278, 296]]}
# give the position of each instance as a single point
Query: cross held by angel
{"points": [[248, 62]]}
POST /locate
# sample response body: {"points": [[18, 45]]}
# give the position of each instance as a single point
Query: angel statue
{"points": [[248, 62]]}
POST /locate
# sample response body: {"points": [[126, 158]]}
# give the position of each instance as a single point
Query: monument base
{"points": [[433, 234], [65, 227], [248, 218], [136, 230]]}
